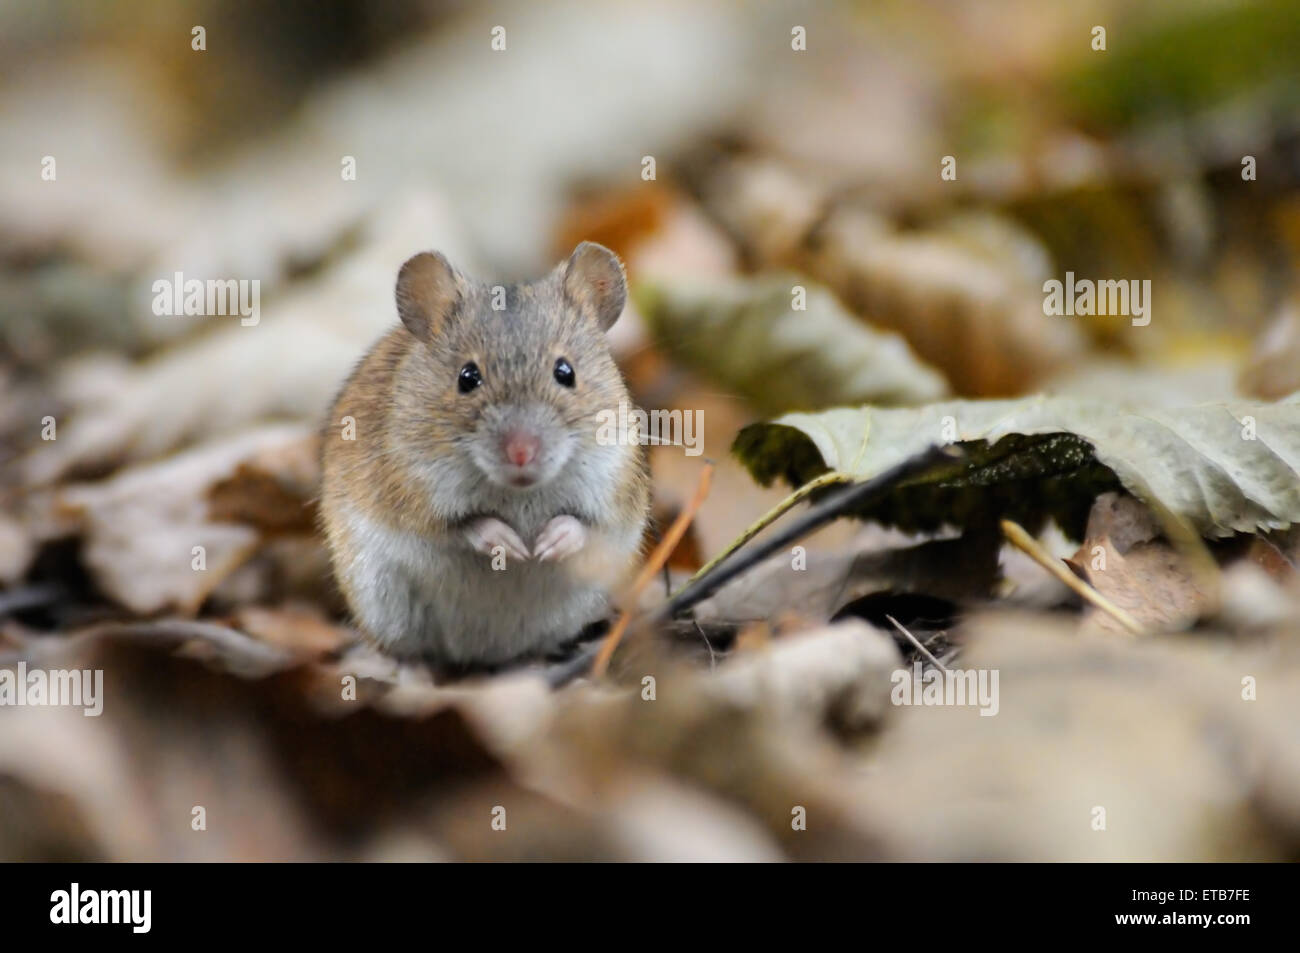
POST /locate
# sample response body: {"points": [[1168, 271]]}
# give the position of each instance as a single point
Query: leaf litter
{"points": [[243, 718]]}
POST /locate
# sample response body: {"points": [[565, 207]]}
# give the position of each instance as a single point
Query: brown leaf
{"points": [[1155, 732], [140, 528], [1274, 368], [1124, 561], [274, 490], [282, 771], [301, 629]]}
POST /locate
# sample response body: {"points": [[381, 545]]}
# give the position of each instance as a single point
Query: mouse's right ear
{"points": [[429, 291]]}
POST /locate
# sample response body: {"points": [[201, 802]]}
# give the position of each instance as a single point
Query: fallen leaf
{"points": [[980, 322], [1153, 583], [140, 528], [1124, 559], [965, 293], [1150, 738], [1223, 468], [747, 336], [303, 630], [1274, 368]]}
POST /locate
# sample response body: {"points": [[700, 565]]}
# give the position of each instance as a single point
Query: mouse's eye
{"points": [[469, 378], [564, 373]]}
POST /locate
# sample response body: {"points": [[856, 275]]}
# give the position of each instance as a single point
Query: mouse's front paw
{"points": [[488, 532], [561, 538]]}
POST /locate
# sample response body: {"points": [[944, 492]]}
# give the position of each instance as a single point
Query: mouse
{"points": [[475, 511]]}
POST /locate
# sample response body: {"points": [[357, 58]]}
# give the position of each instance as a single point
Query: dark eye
{"points": [[564, 373], [469, 378]]}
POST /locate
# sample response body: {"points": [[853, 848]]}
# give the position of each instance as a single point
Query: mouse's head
{"points": [[516, 376]]}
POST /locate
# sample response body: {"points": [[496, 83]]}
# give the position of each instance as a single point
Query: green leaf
{"points": [[745, 335], [1223, 468]]}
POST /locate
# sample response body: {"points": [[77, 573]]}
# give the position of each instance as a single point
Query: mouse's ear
{"points": [[594, 281], [429, 291]]}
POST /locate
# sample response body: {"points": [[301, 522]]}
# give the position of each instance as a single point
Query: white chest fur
{"points": [[436, 596]]}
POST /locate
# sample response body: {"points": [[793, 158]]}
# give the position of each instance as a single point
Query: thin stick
{"points": [[713, 661], [657, 560], [917, 642], [813, 519], [770, 517], [1019, 538]]}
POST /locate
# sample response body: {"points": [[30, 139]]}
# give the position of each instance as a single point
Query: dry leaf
{"points": [[140, 528]]}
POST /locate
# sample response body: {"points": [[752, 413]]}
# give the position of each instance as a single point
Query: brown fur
{"points": [[409, 415]]}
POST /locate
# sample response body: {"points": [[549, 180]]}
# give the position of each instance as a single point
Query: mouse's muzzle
{"points": [[521, 446]]}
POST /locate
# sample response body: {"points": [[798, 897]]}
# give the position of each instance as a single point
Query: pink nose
{"points": [[521, 447]]}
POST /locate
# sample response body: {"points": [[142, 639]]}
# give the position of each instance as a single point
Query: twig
{"points": [[770, 517], [1019, 538], [561, 673], [713, 661], [704, 585], [657, 559], [814, 519], [917, 642]]}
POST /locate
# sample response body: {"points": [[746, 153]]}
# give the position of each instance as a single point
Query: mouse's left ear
{"points": [[595, 283]]}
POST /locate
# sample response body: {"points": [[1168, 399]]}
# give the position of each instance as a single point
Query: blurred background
{"points": [[922, 166]]}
